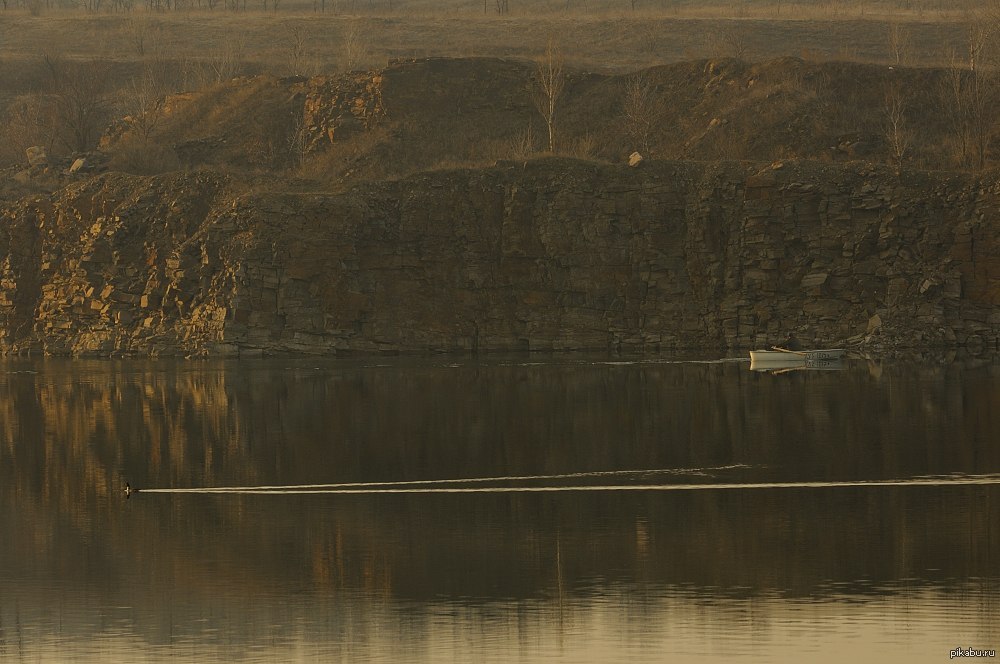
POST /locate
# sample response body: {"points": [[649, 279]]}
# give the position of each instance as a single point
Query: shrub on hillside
{"points": [[139, 158]]}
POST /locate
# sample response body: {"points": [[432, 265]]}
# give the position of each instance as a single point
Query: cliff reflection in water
{"points": [[71, 431]]}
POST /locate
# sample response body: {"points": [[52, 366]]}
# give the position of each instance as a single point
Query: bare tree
{"points": [[29, 120], [521, 145], [897, 132], [141, 33], [982, 100], [297, 143], [979, 37], [642, 111], [733, 40], [954, 106], [143, 101], [985, 35], [551, 82], [354, 48], [899, 43], [296, 48], [227, 62], [972, 96], [81, 99]]}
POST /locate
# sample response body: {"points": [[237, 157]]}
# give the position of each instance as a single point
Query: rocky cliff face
{"points": [[549, 254]]}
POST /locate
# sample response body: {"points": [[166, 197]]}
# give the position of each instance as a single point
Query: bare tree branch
{"points": [[551, 81], [897, 131], [642, 111]]}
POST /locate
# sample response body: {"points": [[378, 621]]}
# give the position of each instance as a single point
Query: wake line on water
{"points": [[968, 480], [463, 480]]}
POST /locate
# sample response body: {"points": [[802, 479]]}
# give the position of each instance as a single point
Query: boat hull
{"points": [[763, 356]]}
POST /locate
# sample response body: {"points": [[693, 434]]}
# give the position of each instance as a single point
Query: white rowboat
{"points": [[782, 355]]}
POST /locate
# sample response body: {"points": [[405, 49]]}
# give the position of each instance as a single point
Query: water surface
{"points": [[901, 573]]}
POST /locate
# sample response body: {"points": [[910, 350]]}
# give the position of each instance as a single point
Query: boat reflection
{"points": [[786, 365]]}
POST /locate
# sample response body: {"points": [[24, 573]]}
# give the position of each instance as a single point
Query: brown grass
{"points": [[201, 50]]}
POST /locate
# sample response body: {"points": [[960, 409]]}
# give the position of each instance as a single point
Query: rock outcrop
{"points": [[552, 254]]}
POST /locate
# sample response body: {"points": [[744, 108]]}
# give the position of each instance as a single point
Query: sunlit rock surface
{"points": [[552, 254]]}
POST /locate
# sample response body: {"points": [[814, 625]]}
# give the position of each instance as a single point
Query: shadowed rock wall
{"points": [[551, 254]]}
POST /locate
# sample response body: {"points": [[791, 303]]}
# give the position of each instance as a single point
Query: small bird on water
{"points": [[129, 490]]}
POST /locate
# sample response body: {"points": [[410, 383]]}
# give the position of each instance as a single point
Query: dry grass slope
{"points": [[191, 87], [439, 113]]}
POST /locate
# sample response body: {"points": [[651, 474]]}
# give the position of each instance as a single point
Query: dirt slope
{"points": [[432, 113]]}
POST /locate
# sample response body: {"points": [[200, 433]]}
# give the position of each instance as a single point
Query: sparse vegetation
{"points": [[122, 64], [142, 102], [79, 96]]}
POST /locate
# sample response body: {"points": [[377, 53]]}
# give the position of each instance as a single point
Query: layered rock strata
{"points": [[546, 255]]}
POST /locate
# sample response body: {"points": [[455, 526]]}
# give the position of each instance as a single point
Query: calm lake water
{"points": [[896, 573]]}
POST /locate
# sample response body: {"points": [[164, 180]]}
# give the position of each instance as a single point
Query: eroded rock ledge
{"points": [[552, 254]]}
